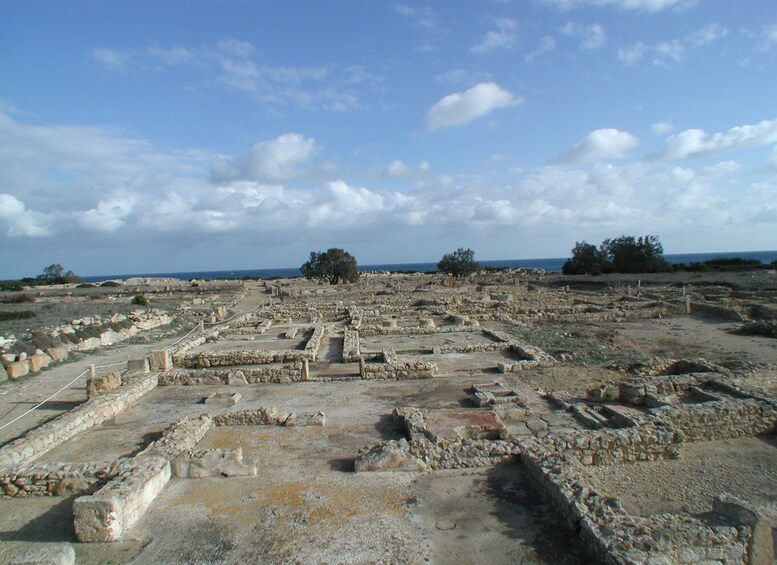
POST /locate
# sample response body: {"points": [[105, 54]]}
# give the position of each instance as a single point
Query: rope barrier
{"points": [[45, 401]]}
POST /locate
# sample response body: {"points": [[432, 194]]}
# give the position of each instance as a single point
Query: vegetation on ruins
{"points": [[140, 300], [333, 265], [624, 254], [460, 263]]}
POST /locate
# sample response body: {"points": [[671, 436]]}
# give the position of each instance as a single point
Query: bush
{"points": [[624, 254], [140, 300], [20, 315], [17, 299], [334, 265], [11, 286], [110, 284], [460, 263], [85, 285]]}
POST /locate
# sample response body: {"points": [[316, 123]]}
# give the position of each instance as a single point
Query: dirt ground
{"points": [[307, 505]]}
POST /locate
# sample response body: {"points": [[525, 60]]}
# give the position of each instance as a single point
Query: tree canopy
{"points": [[333, 265], [624, 254], [56, 274], [460, 263]]}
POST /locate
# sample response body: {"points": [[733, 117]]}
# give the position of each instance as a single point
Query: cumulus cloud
{"points": [[707, 34], [669, 53], [109, 215], [275, 160], [662, 128], [591, 36], [19, 221], [463, 107], [503, 37], [398, 169], [600, 144], [113, 60], [637, 5], [698, 143]]}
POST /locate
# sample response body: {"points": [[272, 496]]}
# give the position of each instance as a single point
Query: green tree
{"points": [[56, 274], [460, 263], [586, 260], [333, 265], [626, 254]]}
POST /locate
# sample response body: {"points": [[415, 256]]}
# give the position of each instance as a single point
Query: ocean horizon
{"points": [[551, 264]]}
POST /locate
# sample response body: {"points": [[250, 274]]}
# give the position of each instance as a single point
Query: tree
{"points": [[625, 254], [56, 274], [333, 265], [460, 263], [586, 260]]}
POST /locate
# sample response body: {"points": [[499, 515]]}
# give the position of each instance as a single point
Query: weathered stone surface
{"points": [[103, 384], [212, 463], [3, 373], [57, 353], [47, 554], [390, 456], [138, 365], [38, 362], [222, 399], [107, 514], [18, 369]]}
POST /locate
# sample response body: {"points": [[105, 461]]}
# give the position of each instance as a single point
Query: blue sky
{"points": [[177, 136]]}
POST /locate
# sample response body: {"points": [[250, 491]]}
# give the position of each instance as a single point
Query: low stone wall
{"points": [[91, 413], [716, 311], [351, 346], [615, 537], [397, 371], [314, 343], [726, 419], [59, 479], [287, 373], [374, 330], [238, 357], [268, 416], [107, 514]]}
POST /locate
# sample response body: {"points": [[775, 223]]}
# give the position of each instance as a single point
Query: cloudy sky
{"points": [[153, 136]]}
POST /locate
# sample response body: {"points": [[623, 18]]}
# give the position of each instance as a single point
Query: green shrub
{"points": [[20, 315], [110, 283], [140, 300]]}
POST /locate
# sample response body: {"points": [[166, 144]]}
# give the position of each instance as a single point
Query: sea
{"points": [[552, 265]]}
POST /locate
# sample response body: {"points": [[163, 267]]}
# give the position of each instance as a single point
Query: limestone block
{"points": [[47, 554], [3, 373], [138, 365], [222, 399], [103, 384], [8, 358], [161, 360], [389, 456], [18, 369], [236, 378], [57, 353], [213, 463], [107, 514], [39, 361]]}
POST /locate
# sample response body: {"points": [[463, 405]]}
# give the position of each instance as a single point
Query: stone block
{"points": [[47, 554], [57, 353], [18, 369], [222, 399], [161, 360], [39, 361], [138, 365], [103, 384], [389, 456], [213, 463], [107, 514]]}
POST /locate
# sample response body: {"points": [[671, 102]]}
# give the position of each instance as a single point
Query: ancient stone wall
{"points": [[351, 346], [725, 419], [397, 371], [91, 413], [286, 373], [58, 479]]}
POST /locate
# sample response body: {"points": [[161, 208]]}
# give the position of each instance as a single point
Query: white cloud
{"points": [[769, 35], [668, 53], [275, 160], [113, 60], [22, 222], [706, 35], [463, 107], [600, 144], [771, 162], [109, 215], [698, 143], [591, 36], [504, 37], [633, 53], [547, 44], [662, 128], [637, 5], [236, 65], [398, 169]]}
